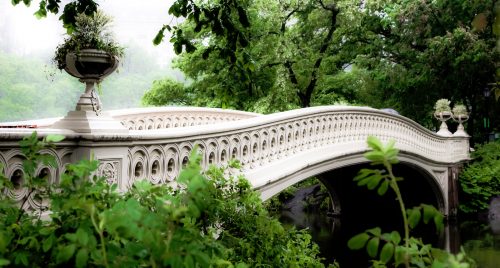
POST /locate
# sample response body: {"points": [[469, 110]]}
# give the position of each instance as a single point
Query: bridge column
{"points": [[453, 188]]}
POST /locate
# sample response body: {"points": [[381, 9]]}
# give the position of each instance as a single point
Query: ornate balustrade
{"points": [[268, 146], [153, 118], [171, 117]]}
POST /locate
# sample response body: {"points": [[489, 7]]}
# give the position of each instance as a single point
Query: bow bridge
{"points": [[276, 150]]}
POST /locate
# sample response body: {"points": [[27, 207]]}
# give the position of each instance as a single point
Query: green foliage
{"points": [[480, 243], [389, 247], [442, 105], [33, 89], [70, 12], [420, 51], [297, 70], [480, 179], [90, 32], [166, 92], [208, 220], [459, 109]]}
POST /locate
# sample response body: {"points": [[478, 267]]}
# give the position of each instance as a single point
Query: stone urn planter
{"points": [[442, 112], [460, 115], [443, 117], [90, 66], [89, 54]]}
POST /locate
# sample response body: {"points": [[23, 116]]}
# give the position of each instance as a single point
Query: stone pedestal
{"points": [[87, 116], [90, 122]]}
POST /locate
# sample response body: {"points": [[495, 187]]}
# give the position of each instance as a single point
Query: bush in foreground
{"points": [[211, 219]]}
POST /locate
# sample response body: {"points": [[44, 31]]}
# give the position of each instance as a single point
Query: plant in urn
{"points": [[442, 112], [460, 115]]}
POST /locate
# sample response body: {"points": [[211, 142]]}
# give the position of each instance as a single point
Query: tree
{"points": [[292, 51], [421, 51]]}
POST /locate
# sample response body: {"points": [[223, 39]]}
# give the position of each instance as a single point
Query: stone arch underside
{"points": [[435, 175]]}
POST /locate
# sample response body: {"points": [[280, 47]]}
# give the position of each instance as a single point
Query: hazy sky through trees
{"points": [[135, 23], [31, 87]]}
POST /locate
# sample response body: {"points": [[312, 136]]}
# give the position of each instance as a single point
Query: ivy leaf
{"points": [[386, 252], [372, 247], [358, 241]]}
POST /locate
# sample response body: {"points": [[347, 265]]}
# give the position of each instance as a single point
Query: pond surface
{"points": [[479, 238]]}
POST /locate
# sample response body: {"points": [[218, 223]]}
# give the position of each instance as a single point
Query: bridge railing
{"points": [[259, 142], [171, 117], [152, 118]]}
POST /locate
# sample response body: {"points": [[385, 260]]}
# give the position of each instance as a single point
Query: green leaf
{"points": [[375, 156], [375, 231], [54, 138], [372, 247], [159, 36], [429, 212], [414, 217], [82, 237], [373, 182], [386, 252], [395, 237], [189, 262], [358, 241], [374, 143], [438, 221], [48, 243], [399, 255], [4, 262], [46, 231], [82, 257], [383, 187], [65, 253]]}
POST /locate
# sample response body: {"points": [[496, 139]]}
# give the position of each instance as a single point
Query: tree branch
{"points": [[306, 97]]}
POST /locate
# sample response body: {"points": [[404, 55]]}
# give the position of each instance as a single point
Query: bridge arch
{"points": [[434, 175]]}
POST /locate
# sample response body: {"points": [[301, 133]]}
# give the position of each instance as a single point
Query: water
{"points": [[479, 238]]}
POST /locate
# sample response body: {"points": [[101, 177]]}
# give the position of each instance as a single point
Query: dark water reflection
{"points": [[332, 233]]}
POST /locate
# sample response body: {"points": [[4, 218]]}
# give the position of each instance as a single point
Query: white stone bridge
{"points": [[276, 150]]}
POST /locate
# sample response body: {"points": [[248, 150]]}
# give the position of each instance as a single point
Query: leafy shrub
{"points": [[210, 220], [391, 248], [480, 179]]}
